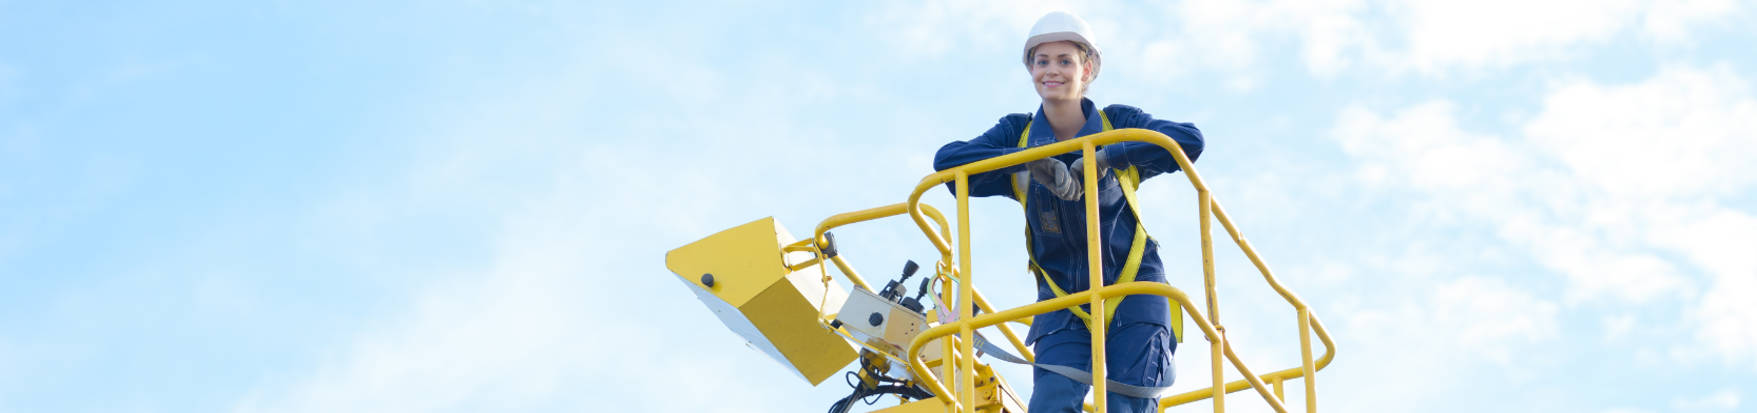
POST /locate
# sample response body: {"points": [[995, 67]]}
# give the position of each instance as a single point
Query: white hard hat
{"points": [[1062, 26]]}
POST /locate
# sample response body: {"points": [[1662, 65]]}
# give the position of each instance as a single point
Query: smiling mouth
{"points": [[1052, 84]]}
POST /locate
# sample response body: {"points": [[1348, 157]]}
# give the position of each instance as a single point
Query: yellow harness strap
{"points": [[1127, 179]]}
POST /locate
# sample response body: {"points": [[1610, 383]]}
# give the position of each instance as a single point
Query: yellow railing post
{"points": [[1216, 345], [948, 352], [966, 355], [1305, 354], [1096, 274], [1276, 382]]}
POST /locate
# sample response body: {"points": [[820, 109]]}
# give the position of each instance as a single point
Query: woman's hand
{"points": [[1053, 174], [1078, 168]]}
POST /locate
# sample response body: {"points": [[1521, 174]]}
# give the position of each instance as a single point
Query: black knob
{"points": [[922, 290], [708, 280], [913, 304], [875, 319]]}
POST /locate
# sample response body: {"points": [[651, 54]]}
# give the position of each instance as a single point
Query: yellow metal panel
{"points": [[753, 293], [992, 393], [789, 320], [744, 260], [918, 406]]}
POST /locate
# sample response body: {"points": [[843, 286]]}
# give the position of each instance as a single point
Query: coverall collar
{"points": [[1043, 134]]}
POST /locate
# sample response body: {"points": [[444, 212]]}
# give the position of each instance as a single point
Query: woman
{"points": [[1063, 60]]}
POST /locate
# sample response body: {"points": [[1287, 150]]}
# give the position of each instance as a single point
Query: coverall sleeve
{"points": [[1002, 139], [1150, 159]]}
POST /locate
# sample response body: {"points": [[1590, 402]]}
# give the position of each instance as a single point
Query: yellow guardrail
{"points": [[961, 348]]}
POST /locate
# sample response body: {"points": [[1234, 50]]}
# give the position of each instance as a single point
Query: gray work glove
{"points": [[1053, 174], [1078, 167]]}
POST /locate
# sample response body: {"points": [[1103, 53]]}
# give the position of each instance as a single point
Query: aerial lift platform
{"points": [[777, 293]]}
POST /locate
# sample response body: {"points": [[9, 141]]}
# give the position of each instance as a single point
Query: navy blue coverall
{"points": [[1138, 344]]}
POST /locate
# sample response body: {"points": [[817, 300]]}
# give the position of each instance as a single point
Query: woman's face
{"points": [[1060, 71]]}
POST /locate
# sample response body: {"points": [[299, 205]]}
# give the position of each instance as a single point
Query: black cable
{"points": [[842, 405], [911, 392], [873, 372], [870, 400], [870, 395]]}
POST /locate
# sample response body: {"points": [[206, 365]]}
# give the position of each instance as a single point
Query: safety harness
{"points": [[1127, 179]]}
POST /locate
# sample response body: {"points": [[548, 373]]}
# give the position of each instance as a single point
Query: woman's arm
{"points": [[999, 140], [1150, 159]]}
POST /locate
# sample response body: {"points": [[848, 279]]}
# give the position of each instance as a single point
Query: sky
{"points": [[465, 206]]}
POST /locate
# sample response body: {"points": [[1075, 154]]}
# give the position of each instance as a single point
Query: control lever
{"points": [[895, 288], [896, 291], [922, 291], [914, 303]]}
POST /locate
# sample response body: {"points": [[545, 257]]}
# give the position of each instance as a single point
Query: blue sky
{"points": [[464, 206]]}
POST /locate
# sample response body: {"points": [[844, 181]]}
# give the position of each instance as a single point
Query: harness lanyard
{"points": [[1127, 179]]}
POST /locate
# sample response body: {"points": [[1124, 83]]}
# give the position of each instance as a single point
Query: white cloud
{"points": [[936, 27], [1437, 37], [1166, 44], [1463, 325], [1491, 318], [1723, 400], [1685, 132], [1468, 325], [1594, 266], [1672, 22], [1500, 32], [1627, 191], [1426, 148], [1474, 176], [1155, 42], [1617, 327], [1719, 241], [1230, 36], [1670, 156], [1430, 37]]}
